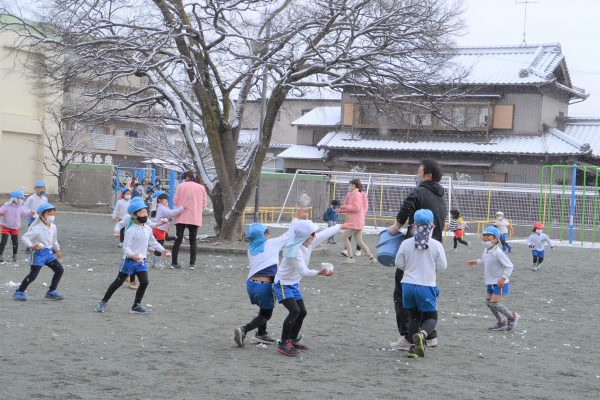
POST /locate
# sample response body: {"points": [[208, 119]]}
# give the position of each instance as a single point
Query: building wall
{"points": [[527, 111], [552, 106], [22, 107], [291, 110]]}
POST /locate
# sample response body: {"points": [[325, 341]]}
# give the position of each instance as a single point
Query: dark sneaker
{"points": [[101, 307], [299, 346], [14, 258], [192, 266], [54, 295], [239, 335], [500, 326], [512, 321], [266, 339], [412, 352], [419, 341], [138, 309], [287, 349], [175, 266], [20, 296]]}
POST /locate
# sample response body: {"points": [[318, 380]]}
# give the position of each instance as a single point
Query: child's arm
{"points": [[547, 240], [507, 266], [301, 268], [324, 235], [280, 241], [400, 260], [115, 214], [55, 244], [474, 262], [530, 240], [441, 263]]}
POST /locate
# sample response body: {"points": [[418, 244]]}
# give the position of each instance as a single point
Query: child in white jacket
{"points": [[536, 242]]}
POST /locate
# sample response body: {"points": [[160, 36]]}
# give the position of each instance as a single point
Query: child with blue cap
{"points": [[161, 218], [263, 254], [120, 211], [138, 237], [497, 269], [36, 199], [421, 258], [41, 238], [10, 222]]}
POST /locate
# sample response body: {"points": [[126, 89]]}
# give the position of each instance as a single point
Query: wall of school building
{"points": [[21, 109]]}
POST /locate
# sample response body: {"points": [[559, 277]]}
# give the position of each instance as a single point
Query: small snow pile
{"points": [[11, 284]]}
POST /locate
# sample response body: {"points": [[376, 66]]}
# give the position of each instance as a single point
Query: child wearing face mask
{"points": [[163, 213], [536, 242], [497, 269], [120, 211], [10, 221], [41, 238], [138, 237], [36, 199], [505, 227]]}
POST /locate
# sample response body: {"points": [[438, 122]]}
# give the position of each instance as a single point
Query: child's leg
{"points": [[455, 242], [15, 244], [414, 322], [428, 322], [493, 310], [58, 269], [535, 262], [132, 279], [402, 314], [293, 313], [114, 286], [494, 303], [122, 235], [3, 242], [35, 270], [462, 241], [143, 278], [260, 322], [362, 244], [298, 325]]}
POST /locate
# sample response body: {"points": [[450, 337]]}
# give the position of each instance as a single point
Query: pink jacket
{"points": [[190, 196], [355, 206]]}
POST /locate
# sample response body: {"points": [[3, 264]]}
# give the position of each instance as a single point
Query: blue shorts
{"points": [[497, 291], [423, 298], [503, 237], [283, 292], [130, 266], [261, 294], [42, 257], [537, 253]]}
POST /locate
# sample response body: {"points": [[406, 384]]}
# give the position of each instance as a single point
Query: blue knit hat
{"points": [[17, 194], [136, 205], [423, 217], [45, 207], [491, 230]]}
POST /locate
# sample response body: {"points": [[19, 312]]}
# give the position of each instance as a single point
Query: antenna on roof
{"points": [[526, 3]]}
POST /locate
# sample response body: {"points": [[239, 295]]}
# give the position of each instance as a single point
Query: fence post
{"points": [[172, 182], [287, 196], [572, 213]]}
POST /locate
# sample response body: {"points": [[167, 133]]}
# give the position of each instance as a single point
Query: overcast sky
{"points": [[575, 24]]}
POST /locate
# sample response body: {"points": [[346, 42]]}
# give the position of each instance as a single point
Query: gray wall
{"points": [[528, 110], [90, 186]]}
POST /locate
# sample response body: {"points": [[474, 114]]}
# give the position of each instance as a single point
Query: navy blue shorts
{"points": [[42, 257], [283, 292], [130, 266], [497, 291], [537, 253], [261, 294], [423, 298]]}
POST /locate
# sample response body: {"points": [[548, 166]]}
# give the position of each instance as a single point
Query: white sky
{"points": [[575, 24]]}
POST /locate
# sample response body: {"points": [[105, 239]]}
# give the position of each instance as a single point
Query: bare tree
{"points": [[200, 61]]}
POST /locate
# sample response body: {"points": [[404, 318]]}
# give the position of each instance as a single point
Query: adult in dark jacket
{"points": [[428, 194]]}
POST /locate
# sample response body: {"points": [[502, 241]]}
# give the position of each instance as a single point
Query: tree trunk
{"points": [[62, 184]]}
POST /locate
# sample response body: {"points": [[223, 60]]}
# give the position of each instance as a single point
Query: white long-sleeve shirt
{"points": [[137, 240], [40, 233], [270, 254], [536, 241], [123, 222], [496, 265], [120, 210], [165, 212], [291, 271], [421, 266], [34, 201]]}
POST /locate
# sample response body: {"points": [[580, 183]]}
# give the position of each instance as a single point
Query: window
{"points": [[503, 116], [349, 114]]}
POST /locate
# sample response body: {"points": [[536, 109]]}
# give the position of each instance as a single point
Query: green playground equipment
{"points": [[578, 205]]}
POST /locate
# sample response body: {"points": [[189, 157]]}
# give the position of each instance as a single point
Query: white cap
{"points": [[500, 213]]}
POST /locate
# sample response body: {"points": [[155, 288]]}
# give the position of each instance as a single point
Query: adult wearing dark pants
{"points": [[191, 196], [428, 194]]}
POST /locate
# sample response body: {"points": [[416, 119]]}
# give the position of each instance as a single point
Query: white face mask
{"points": [[499, 217], [20, 202], [127, 197], [538, 231], [50, 219], [418, 180], [487, 244]]}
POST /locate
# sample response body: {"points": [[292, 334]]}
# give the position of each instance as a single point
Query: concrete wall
{"points": [[552, 106], [90, 186]]}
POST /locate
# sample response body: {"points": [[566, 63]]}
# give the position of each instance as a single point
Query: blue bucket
{"points": [[387, 247]]}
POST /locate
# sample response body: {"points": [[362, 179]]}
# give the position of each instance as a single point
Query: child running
{"points": [[421, 258], [10, 222], [120, 211], [536, 242], [505, 227], [497, 269], [138, 237], [41, 238], [263, 254], [332, 217], [161, 217], [458, 226], [36, 199], [294, 266]]}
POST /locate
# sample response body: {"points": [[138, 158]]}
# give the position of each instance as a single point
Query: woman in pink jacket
{"points": [[190, 196], [355, 207]]}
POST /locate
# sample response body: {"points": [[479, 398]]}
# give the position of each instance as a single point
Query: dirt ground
{"points": [[184, 349]]}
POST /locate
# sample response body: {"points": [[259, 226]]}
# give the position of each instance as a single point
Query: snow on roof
{"points": [[551, 143], [586, 130], [320, 116], [299, 151]]}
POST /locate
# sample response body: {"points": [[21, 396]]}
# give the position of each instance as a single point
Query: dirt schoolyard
{"points": [[184, 349]]}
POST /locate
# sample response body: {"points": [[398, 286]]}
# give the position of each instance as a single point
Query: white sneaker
{"points": [[358, 253], [349, 260], [431, 342], [344, 253], [455, 250], [400, 344]]}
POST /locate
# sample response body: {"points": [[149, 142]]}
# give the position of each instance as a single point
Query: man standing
{"points": [[190, 196], [428, 194]]}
